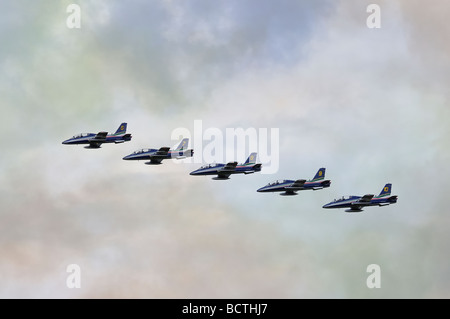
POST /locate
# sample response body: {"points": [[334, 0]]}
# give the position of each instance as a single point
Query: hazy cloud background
{"points": [[370, 105]]}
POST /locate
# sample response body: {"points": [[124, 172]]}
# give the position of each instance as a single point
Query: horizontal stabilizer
{"points": [[393, 199], [188, 153], [257, 167], [326, 183]]}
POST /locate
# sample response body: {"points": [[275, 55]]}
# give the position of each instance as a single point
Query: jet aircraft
{"points": [[155, 156], [96, 140], [356, 203], [290, 187], [223, 171]]}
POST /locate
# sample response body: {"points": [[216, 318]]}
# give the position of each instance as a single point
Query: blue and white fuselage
{"points": [[155, 156], [147, 154], [356, 203], [96, 140], [215, 169], [223, 171], [290, 187]]}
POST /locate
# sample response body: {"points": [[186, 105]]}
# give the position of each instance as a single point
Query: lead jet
{"points": [[291, 187], [357, 203], [96, 140], [223, 171], [155, 156]]}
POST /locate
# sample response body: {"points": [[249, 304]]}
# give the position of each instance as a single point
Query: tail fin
{"points": [[386, 191], [251, 159], [183, 145], [122, 129], [320, 175]]}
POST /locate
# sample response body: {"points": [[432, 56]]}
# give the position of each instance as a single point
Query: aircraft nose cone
{"points": [[260, 190], [65, 142], [126, 157], [326, 206]]}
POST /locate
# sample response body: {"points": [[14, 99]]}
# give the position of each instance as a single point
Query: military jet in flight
{"points": [[356, 203], [96, 140], [155, 156], [290, 187], [223, 171]]}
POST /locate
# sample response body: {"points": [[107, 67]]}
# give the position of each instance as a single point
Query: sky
{"points": [[369, 104]]}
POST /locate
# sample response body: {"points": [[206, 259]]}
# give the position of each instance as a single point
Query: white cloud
{"points": [[354, 100]]}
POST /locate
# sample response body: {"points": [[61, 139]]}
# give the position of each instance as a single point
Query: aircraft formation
{"points": [[223, 171]]}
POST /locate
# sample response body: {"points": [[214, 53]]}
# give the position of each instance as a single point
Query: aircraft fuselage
{"points": [[284, 186], [152, 153], [89, 138], [352, 201], [219, 168]]}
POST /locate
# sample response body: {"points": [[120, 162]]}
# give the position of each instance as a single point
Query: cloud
{"points": [[359, 101], [168, 245]]}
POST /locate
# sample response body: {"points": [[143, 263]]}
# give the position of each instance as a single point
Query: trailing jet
{"points": [[223, 171], [155, 156], [290, 187], [96, 140], [356, 203]]}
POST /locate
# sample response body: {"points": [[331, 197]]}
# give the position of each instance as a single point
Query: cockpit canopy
{"points": [[277, 182], [209, 165], [343, 198], [81, 135], [144, 150]]}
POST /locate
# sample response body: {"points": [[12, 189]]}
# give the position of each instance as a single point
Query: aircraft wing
{"points": [[226, 171], [98, 139], [229, 167], [355, 206], [223, 175], [160, 154], [101, 136], [163, 151], [366, 198], [257, 166], [363, 201], [297, 185]]}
